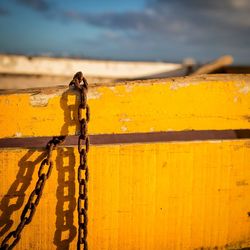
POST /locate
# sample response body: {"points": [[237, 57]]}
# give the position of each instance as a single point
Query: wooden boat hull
{"points": [[186, 194]]}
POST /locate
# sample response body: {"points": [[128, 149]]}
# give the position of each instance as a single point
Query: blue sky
{"points": [[158, 30]]}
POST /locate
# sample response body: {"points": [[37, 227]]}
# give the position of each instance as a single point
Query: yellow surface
{"points": [[141, 196], [200, 103]]}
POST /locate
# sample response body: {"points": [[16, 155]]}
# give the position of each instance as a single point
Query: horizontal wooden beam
{"points": [[107, 139], [141, 196], [213, 102]]}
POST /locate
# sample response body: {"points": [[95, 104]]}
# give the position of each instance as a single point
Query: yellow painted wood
{"points": [[200, 103], [141, 196]]}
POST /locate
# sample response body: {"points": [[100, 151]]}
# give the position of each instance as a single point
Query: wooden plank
{"points": [[214, 65], [141, 196], [173, 136], [212, 102], [49, 66]]}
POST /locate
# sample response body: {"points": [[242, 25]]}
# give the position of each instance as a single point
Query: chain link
{"points": [[83, 149], [34, 198], [83, 174]]}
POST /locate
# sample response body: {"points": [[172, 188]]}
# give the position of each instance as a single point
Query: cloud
{"points": [[198, 4], [173, 16], [164, 29], [38, 5], [4, 11]]}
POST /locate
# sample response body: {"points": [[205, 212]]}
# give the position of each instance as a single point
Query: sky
{"points": [[154, 30]]}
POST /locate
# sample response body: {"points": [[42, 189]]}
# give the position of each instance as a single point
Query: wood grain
{"points": [[213, 102], [192, 195]]}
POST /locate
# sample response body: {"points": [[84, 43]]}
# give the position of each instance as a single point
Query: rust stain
{"points": [[240, 245], [242, 183], [246, 117]]}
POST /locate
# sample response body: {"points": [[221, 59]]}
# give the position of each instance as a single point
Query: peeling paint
{"points": [[18, 134], [176, 85], [113, 89], [125, 119], [245, 89], [129, 88], [124, 128], [215, 141], [94, 94], [40, 100]]}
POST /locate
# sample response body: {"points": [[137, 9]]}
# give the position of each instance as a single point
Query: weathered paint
{"points": [[141, 196], [192, 103]]}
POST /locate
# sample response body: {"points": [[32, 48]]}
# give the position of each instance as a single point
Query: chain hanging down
{"points": [[83, 148], [29, 210]]}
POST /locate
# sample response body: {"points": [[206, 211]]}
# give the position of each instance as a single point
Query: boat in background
{"points": [[46, 71], [21, 72]]}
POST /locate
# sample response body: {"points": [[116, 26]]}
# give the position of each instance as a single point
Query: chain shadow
{"points": [[65, 164], [66, 202], [15, 196]]}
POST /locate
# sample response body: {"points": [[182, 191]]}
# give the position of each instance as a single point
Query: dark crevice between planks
{"points": [[106, 139]]}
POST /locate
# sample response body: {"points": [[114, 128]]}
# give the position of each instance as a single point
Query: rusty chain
{"points": [[83, 174], [83, 148], [34, 198]]}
